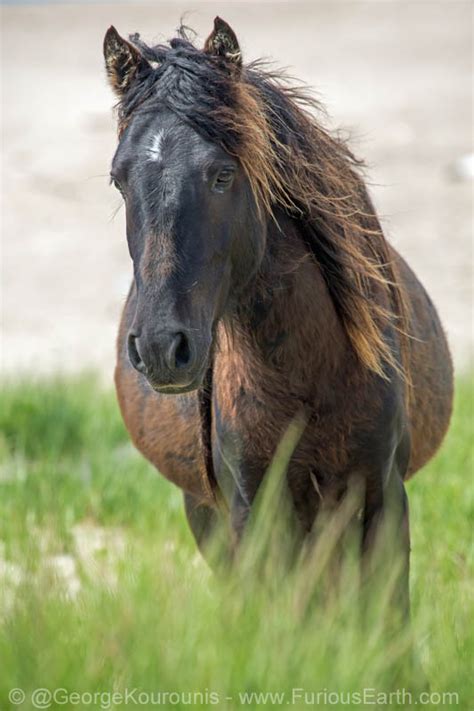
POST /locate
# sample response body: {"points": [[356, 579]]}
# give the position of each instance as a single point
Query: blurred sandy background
{"points": [[397, 74]]}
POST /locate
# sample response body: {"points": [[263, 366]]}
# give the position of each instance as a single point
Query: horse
{"points": [[263, 287]]}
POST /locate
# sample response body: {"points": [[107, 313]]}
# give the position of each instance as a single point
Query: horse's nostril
{"points": [[181, 351], [134, 354]]}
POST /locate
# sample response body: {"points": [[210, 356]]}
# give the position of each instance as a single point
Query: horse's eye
{"points": [[116, 184], [224, 180]]}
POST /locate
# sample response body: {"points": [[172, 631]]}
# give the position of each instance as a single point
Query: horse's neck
{"points": [[287, 325]]}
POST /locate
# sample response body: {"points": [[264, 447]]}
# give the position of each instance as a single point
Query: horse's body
{"points": [[293, 353], [259, 261]]}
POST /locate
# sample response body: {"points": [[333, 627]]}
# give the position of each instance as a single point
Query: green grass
{"points": [[140, 610]]}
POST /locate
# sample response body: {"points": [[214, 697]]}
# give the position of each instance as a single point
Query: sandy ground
{"points": [[398, 75]]}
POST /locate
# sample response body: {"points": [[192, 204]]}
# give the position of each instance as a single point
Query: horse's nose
{"points": [[166, 358]]}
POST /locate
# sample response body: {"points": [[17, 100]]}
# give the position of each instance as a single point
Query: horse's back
{"points": [[431, 372]]}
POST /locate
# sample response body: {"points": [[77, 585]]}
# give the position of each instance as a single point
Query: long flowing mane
{"points": [[293, 163]]}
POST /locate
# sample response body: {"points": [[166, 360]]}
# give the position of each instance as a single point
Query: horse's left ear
{"points": [[223, 42], [122, 61]]}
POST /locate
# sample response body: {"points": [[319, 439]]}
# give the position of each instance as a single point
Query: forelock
{"points": [[199, 88]]}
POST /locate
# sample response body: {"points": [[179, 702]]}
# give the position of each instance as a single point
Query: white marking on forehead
{"points": [[156, 144]]}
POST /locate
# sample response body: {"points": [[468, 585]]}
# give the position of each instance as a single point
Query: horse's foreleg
{"points": [[385, 570], [209, 530], [386, 543]]}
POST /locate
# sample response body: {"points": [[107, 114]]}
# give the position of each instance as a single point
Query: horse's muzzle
{"points": [[169, 360]]}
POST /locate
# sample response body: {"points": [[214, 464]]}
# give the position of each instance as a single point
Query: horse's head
{"points": [[195, 230]]}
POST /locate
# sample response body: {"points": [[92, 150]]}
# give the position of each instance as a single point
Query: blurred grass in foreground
{"points": [[101, 587]]}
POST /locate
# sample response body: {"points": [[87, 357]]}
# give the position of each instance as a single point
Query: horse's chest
{"points": [[247, 431]]}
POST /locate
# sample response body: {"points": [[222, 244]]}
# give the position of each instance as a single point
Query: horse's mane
{"points": [[293, 163]]}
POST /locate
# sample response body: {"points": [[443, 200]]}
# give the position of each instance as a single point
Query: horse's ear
{"points": [[122, 60], [223, 42]]}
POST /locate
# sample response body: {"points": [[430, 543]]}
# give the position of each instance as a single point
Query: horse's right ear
{"points": [[122, 60]]}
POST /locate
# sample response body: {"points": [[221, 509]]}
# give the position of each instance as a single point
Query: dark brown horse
{"points": [[263, 287]]}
